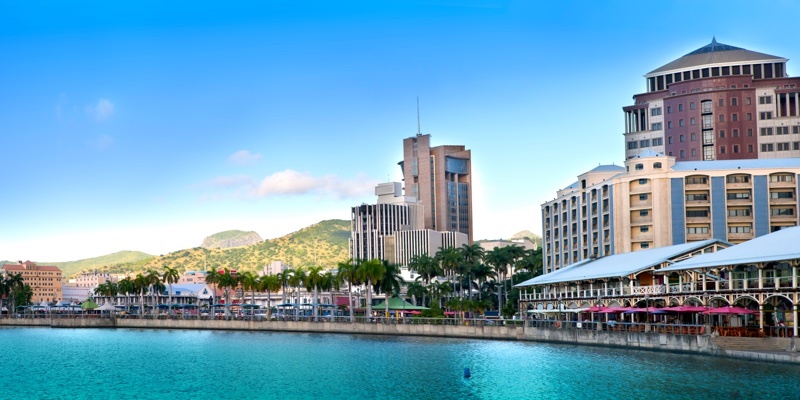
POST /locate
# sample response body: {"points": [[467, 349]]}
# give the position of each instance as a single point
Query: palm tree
{"points": [[531, 262], [331, 283], [270, 283], [472, 255], [439, 290], [312, 280], [390, 282], [482, 273], [171, 275], [284, 277], [514, 253], [228, 281], [249, 282], [14, 282], [425, 265], [498, 259], [369, 272], [126, 287], [297, 280], [450, 258], [153, 281], [141, 286], [212, 277], [417, 290], [348, 271]]}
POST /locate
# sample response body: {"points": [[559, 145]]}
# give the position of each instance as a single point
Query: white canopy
{"points": [[106, 307]]}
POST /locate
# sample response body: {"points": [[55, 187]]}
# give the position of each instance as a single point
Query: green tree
{"points": [[312, 281], [390, 283], [285, 276], [370, 272], [249, 282], [153, 282], [227, 281], [270, 283], [170, 276], [498, 259], [417, 291], [450, 259], [22, 295], [348, 271], [141, 287], [127, 287], [472, 257]]}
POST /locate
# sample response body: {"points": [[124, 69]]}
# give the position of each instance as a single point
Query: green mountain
{"points": [[70, 268], [530, 235], [323, 244], [228, 239]]}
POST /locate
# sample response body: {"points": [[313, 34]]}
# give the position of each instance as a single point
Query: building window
{"points": [[680, 122], [767, 147], [796, 145], [691, 105], [697, 197], [766, 131], [735, 133], [644, 143], [766, 115], [658, 142], [722, 149], [643, 196], [722, 118], [692, 137], [764, 99], [683, 154], [681, 138], [782, 130], [656, 126], [644, 213], [722, 133], [633, 145], [644, 229], [747, 101], [708, 153], [658, 164], [694, 152], [655, 111], [736, 149], [643, 181], [796, 129], [734, 117], [669, 109], [680, 107], [645, 245], [783, 146], [739, 229], [781, 195], [697, 230], [749, 132], [702, 213], [639, 167], [749, 148], [691, 121], [749, 117], [669, 139], [733, 99], [669, 124]]}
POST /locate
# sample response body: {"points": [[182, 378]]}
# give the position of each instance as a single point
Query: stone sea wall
{"points": [[699, 344]]}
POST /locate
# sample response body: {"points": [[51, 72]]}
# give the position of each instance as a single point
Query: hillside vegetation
{"points": [[69, 268], [228, 239], [323, 244]]}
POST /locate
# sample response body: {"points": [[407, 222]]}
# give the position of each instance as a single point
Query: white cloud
{"points": [[244, 157], [291, 182], [101, 111]]}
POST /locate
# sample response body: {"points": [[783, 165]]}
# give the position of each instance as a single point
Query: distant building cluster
{"points": [[435, 211]]}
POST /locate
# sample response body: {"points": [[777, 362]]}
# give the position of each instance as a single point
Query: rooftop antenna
{"points": [[419, 133]]}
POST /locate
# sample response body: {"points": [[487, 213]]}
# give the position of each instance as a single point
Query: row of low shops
{"points": [[748, 289]]}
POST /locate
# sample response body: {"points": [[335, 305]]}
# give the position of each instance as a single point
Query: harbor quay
{"points": [[632, 335]]}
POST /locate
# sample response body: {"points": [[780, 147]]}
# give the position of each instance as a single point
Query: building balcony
{"points": [[698, 220], [698, 236], [738, 185], [642, 238], [740, 202], [638, 204], [696, 186], [748, 218], [641, 189], [641, 221], [783, 218], [783, 201], [698, 202], [740, 236], [788, 185]]}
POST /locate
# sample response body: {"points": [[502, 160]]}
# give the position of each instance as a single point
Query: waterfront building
{"points": [[71, 292], [273, 268], [196, 294], [91, 279], [192, 277], [440, 179], [655, 201], [393, 229], [718, 102], [44, 280], [760, 275]]}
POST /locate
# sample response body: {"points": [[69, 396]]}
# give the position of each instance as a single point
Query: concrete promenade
{"points": [[780, 350]]}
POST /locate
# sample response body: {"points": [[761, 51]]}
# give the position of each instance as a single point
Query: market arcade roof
{"points": [[715, 53], [620, 265], [777, 246]]}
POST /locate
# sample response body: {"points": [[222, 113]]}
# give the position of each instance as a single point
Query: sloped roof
{"points": [[396, 303], [777, 246], [187, 288], [618, 265], [606, 168], [715, 53]]}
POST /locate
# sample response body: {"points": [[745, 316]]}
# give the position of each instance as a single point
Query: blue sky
{"points": [[149, 125]]}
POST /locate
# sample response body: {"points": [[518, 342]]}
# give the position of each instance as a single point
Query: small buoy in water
{"points": [[466, 373]]}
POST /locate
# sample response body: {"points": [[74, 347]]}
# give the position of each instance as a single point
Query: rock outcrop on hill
{"points": [[230, 239]]}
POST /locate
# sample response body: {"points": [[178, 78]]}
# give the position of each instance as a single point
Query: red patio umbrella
{"points": [[729, 310]]}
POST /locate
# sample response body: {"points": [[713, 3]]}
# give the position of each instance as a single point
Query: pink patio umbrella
{"points": [[729, 310]]}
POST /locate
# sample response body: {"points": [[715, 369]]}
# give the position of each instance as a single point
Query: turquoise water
{"points": [[44, 363]]}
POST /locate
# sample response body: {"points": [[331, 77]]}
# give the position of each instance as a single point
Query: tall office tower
{"points": [[439, 178], [718, 102]]}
